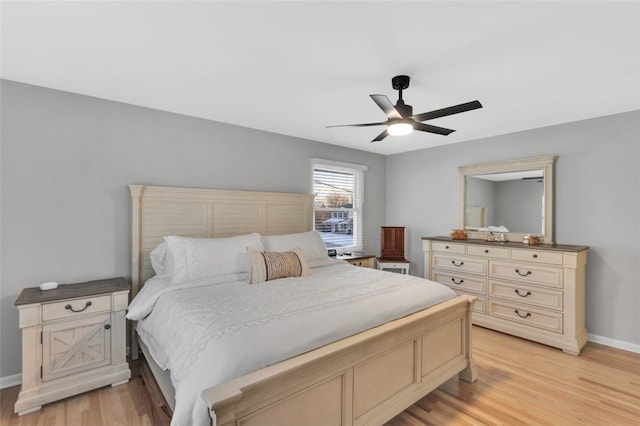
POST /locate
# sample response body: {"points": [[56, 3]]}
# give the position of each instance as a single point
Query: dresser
{"points": [[534, 292], [73, 340]]}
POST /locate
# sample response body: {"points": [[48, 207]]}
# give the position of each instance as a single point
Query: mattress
{"points": [[210, 331]]}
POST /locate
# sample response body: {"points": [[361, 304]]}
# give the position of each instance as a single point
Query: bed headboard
{"points": [[158, 211]]}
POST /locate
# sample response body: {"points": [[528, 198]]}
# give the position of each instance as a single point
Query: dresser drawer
{"points": [[75, 307], [537, 256], [448, 247], [462, 282], [522, 293], [488, 251], [521, 272], [551, 321], [460, 264]]}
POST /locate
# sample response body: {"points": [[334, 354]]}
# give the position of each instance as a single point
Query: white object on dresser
{"points": [[73, 340], [534, 292], [48, 285]]}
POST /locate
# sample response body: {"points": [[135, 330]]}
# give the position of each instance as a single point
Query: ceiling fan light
{"points": [[400, 129]]}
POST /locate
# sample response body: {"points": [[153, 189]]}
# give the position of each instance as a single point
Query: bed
{"points": [[359, 373]]}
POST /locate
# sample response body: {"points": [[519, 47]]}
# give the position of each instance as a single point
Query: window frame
{"points": [[358, 172]]}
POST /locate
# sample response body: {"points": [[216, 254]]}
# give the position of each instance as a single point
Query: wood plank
{"points": [[520, 382]]}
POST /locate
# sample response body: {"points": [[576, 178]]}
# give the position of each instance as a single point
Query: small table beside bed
{"points": [[245, 320]]}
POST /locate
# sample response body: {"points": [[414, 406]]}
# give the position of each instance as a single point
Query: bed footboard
{"points": [[367, 378]]}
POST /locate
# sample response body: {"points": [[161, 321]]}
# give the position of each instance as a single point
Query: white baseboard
{"points": [[9, 381], [619, 344]]}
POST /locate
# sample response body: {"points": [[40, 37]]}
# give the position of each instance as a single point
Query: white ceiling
{"points": [[295, 67]]}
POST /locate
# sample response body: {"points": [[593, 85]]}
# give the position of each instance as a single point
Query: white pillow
{"points": [[161, 260], [311, 243], [197, 258]]}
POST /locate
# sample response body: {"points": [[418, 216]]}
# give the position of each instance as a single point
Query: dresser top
{"points": [[68, 291], [513, 244]]}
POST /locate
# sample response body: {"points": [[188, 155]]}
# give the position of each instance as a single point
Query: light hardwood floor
{"points": [[520, 382]]}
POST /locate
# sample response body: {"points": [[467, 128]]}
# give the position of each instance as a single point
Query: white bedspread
{"points": [[208, 332]]}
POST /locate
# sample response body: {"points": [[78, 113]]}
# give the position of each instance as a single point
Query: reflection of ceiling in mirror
{"points": [[498, 177]]}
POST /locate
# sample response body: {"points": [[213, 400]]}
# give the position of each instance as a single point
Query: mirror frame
{"points": [[545, 163]]}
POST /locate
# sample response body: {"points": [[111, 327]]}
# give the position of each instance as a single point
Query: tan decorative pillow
{"points": [[267, 266]]}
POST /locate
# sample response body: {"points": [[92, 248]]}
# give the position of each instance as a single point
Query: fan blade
{"points": [[381, 136], [385, 104], [432, 129], [360, 125], [447, 111]]}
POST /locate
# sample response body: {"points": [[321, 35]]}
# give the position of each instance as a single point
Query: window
{"points": [[338, 189]]}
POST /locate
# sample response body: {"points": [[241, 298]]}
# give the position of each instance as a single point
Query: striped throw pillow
{"points": [[267, 266]]}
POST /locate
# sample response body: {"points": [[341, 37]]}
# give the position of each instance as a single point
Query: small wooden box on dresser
{"points": [[73, 340], [535, 292]]}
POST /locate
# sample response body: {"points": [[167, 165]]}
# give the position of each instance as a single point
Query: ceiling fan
{"points": [[401, 120]]}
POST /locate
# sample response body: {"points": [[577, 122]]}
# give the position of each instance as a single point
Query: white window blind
{"points": [[338, 214]]}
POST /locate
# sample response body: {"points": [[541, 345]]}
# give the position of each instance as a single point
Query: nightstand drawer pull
{"points": [[70, 308], [522, 316], [523, 275], [455, 264], [457, 282], [528, 293]]}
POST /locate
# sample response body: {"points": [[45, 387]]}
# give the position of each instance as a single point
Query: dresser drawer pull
{"points": [[486, 250], [457, 282], [446, 247], [522, 316], [523, 275], [535, 256], [528, 293], [455, 264], [70, 308], [107, 326]]}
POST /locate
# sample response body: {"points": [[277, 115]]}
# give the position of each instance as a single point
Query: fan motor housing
{"points": [[400, 82], [404, 109]]}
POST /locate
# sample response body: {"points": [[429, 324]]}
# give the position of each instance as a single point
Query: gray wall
{"points": [[519, 205], [67, 160], [597, 203]]}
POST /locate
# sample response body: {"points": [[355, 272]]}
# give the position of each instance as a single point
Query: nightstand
{"points": [[394, 265], [364, 260], [73, 340]]}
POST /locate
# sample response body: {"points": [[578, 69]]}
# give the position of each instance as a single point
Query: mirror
{"points": [[514, 198]]}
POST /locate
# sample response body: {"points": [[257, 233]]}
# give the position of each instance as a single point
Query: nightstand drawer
{"points": [[75, 307]]}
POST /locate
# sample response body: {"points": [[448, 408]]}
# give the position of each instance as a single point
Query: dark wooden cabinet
{"points": [[392, 242]]}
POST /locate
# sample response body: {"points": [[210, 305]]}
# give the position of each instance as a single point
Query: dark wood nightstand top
{"points": [[69, 291]]}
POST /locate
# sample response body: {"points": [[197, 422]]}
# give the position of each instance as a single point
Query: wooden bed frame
{"points": [[367, 378]]}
